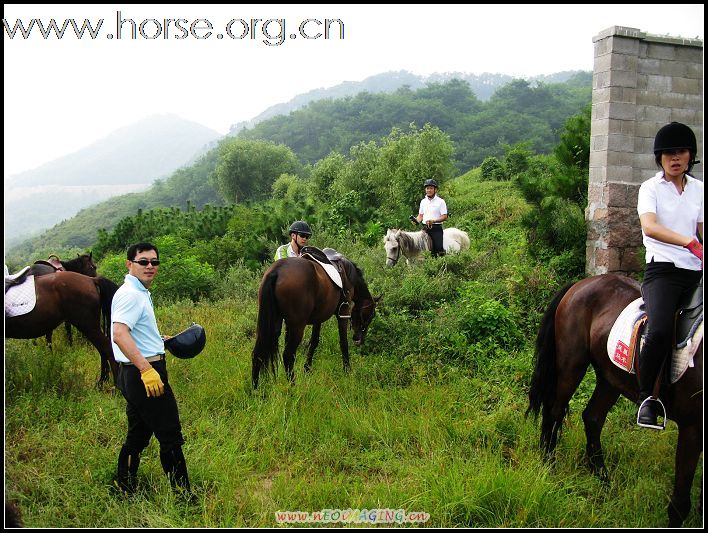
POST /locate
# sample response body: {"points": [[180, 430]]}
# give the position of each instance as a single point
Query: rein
{"points": [[398, 254], [366, 306]]}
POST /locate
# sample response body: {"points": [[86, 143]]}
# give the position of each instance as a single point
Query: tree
{"points": [[574, 147], [247, 169]]}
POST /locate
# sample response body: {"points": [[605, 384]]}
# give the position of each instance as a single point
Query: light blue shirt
{"points": [[132, 306]]}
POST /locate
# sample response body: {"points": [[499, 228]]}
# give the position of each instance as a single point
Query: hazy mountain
{"points": [[483, 85], [127, 160], [134, 154]]}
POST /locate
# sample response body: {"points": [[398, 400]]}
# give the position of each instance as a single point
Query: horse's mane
{"points": [[355, 275], [78, 264], [414, 240]]}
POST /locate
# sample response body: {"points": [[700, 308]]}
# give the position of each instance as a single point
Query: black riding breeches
{"points": [[436, 234], [663, 286], [149, 415]]}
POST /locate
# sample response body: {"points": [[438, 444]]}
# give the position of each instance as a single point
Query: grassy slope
{"points": [[454, 444]]}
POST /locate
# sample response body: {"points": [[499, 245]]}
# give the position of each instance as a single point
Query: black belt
{"points": [[151, 359]]}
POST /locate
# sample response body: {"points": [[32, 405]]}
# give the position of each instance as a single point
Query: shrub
{"points": [[492, 169], [182, 274], [485, 320]]}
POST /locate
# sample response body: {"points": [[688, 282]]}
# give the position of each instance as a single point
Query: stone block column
{"points": [[640, 83]]}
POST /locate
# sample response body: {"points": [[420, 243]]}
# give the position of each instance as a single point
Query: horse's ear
{"points": [[377, 299], [91, 254]]}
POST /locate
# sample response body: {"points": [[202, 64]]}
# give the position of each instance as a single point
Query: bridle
{"points": [[398, 253], [360, 309]]}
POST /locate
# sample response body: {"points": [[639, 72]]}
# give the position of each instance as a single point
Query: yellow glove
{"points": [[153, 384]]}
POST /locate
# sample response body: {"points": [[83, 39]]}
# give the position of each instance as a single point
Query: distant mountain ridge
{"points": [[138, 153], [129, 159], [483, 85]]}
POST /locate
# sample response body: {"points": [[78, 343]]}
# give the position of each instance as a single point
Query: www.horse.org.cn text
{"points": [[271, 32]]}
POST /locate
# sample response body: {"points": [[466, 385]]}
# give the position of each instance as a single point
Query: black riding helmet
{"points": [[187, 344], [300, 226], [675, 136], [430, 183]]}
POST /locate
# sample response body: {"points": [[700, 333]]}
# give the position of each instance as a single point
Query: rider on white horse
{"points": [[432, 213]]}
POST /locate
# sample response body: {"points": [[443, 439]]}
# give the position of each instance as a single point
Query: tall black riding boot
{"points": [[175, 466], [128, 463], [649, 408]]}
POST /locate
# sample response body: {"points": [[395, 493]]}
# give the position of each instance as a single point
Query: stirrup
{"points": [[346, 312], [662, 414]]}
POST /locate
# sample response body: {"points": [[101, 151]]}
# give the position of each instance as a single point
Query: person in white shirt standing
{"points": [[670, 207], [432, 213]]}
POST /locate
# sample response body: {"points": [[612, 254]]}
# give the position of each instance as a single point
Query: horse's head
{"points": [[87, 266], [392, 246], [362, 316]]}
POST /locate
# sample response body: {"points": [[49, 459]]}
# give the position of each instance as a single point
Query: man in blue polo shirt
{"points": [[140, 351]]}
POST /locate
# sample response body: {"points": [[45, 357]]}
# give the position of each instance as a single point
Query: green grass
{"points": [[459, 449]]}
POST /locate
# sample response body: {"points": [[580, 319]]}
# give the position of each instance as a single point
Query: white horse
{"points": [[412, 243]]}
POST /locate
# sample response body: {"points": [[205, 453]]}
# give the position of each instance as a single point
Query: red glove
{"points": [[696, 248]]}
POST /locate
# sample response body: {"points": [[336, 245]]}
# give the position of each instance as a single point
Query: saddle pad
{"points": [[17, 274], [20, 299], [683, 358], [330, 269], [621, 333]]}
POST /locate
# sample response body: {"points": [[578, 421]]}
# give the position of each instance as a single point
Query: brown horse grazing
{"points": [[83, 264], [573, 335], [299, 291], [80, 301]]}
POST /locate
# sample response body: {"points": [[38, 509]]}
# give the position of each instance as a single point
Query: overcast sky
{"points": [[63, 94]]}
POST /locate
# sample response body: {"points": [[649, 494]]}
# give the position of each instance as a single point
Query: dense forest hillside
{"points": [[517, 112], [482, 85]]}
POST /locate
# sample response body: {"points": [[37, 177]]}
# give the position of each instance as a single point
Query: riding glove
{"points": [[696, 248], [153, 384]]}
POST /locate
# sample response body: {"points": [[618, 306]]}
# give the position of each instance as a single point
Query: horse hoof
{"points": [[604, 476]]}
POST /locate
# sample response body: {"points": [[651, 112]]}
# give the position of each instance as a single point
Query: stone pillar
{"points": [[640, 83]]}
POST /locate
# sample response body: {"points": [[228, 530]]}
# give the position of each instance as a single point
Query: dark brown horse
{"points": [[573, 336], [80, 301], [83, 264], [299, 291]]}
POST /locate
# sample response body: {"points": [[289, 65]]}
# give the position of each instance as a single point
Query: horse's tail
{"points": [[265, 352], [543, 382], [106, 291], [464, 241]]}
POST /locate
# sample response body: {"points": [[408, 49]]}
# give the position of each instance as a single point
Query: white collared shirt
{"points": [[432, 208], [678, 212]]}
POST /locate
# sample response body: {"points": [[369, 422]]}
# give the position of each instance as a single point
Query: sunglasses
{"points": [[146, 262], [303, 235]]}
